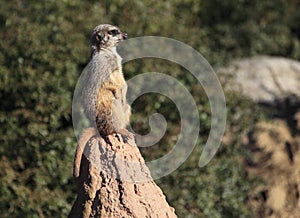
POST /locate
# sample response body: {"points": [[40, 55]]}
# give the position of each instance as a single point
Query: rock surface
{"points": [[264, 79], [115, 182]]}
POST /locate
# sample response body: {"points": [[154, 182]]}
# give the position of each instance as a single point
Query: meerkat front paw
{"points": [[127, 137]]}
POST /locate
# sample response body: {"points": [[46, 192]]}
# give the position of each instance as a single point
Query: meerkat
{"points": [[104, 91], [104, 94]]}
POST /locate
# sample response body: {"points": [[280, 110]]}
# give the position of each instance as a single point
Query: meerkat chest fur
{"points": [[106, 62], [104, 79], [115, 80], [112, 90]]}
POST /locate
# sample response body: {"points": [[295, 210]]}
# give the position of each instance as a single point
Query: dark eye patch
{"points": [[113, 32]]}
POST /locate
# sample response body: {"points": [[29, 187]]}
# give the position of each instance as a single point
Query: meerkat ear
{"points": [[99, 37]]}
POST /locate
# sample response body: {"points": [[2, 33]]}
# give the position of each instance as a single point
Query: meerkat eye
{"points": [[113, 32]]}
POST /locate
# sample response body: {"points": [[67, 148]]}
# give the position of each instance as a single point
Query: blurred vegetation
{"points": [[44, 48]]}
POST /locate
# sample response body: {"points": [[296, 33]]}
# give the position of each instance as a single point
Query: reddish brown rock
{"points": [[115, 182]]}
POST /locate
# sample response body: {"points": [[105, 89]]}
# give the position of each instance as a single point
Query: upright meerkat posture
{"points": [[104, 91]]}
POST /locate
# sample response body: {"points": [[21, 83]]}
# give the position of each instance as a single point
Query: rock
{"points": [[114, 181], [263, 79]]}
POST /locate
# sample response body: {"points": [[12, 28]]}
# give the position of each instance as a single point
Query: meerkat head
{"points": [[106, 36]]}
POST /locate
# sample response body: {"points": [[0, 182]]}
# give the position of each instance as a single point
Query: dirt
{"points": [[114, 181]]}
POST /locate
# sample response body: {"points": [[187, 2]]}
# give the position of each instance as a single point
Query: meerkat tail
{"points": [[86, 135]]}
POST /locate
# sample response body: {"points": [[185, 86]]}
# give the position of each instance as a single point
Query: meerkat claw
{"points": [[127, 137]]}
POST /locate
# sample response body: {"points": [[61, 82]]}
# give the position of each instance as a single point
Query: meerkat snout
{"points": [[125, 35]]}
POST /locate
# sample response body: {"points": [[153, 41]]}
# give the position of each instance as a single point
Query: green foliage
{"points": [[44, 47], [220, 188]]}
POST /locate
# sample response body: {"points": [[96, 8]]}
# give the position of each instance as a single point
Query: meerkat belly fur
{"points": [[104, 91]]}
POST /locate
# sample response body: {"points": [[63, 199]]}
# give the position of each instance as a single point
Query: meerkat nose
{"points": [[124, 35]]}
